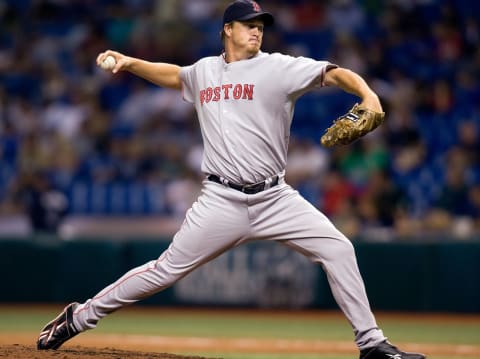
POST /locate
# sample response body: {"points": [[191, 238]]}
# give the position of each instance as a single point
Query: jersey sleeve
{"points": [[302, 74], [188, 85]]}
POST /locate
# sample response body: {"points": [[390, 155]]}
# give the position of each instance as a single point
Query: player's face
{"points": [[247, 35]]}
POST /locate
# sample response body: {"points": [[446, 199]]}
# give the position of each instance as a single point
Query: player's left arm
{"points": [[353, 83]]}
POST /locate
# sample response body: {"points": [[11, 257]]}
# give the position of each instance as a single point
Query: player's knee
{"points": [[342, 249]]}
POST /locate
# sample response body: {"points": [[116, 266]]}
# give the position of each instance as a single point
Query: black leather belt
{"points": [[248, 188]]}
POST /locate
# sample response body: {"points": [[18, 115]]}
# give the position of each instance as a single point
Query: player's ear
{"points": [[227, 30]]}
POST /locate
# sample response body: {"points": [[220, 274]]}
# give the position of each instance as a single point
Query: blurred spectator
{"points": [[198, 11], [337, 202], [306, 161], [383, 200], [467, 89], [410, 158], [360, 160], [181, 192], [471, 34], [309, 15], [348, 51], [346, 16], [474, 206], [379, 206], [44, 205], [469, 142], [336, 193], [453, 197], [23, 116]]}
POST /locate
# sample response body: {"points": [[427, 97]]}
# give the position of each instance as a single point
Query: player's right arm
{"points": [[161, 74]]}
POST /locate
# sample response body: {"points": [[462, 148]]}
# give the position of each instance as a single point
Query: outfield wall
{"points": [[403, 276]]}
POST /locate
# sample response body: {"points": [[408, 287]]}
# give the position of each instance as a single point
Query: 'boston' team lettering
{"points": [[226, 92]]}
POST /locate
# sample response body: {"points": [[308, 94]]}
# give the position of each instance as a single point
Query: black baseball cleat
{"points": [[385, 350], [59, 330]]}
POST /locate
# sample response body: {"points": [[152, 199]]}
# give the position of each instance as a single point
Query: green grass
{"points": [[329, 328], [427, 332], [231, 326], [187, 323], [407, 329]]}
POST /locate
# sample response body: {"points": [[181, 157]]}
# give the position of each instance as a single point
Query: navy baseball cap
{"points": [[242, 10]]}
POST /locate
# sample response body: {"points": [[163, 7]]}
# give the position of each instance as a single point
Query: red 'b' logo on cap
{"points": [[255, 6]]}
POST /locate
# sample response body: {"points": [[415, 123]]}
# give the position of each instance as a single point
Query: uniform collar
{"points": [[260, 53]]}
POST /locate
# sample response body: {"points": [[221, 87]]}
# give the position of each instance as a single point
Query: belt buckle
{"points": [[253, 188]]}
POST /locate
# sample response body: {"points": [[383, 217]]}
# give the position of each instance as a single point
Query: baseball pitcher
{"points": [[245, 100]]}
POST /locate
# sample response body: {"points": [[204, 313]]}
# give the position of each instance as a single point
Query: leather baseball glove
{"points": [[350, 127]]}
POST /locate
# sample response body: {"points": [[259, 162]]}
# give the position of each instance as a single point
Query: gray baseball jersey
{"points": [[245, 110]]}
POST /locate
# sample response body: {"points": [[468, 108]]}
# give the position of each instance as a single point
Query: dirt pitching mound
{"points": [[30, 352]]}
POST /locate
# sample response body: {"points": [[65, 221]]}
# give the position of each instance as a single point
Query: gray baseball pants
{"points": [[223, 218]]}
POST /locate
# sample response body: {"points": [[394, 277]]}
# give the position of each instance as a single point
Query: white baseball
{"points": [[108, 63]]}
